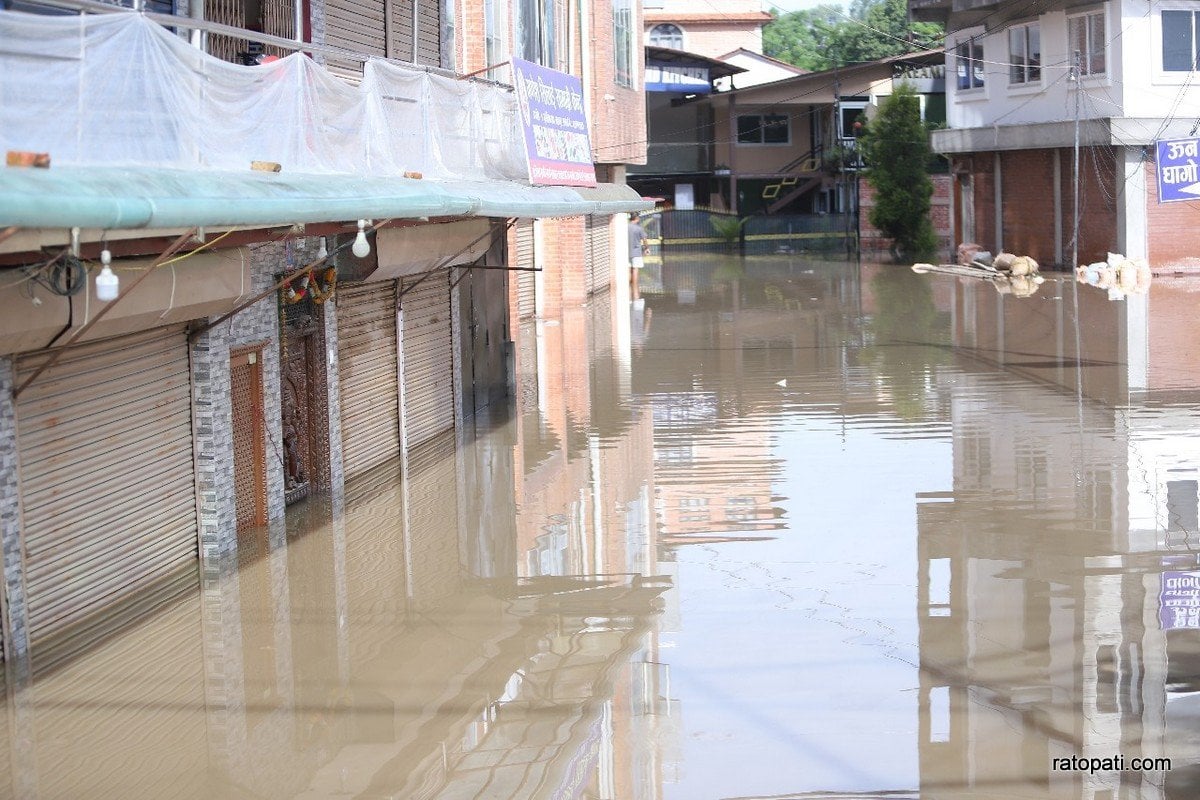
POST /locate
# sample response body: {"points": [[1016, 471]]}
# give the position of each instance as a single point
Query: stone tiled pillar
{"points": [[212, 421], [337, 475], [16, 633]]}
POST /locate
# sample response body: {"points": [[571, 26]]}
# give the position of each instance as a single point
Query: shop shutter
{"points": [[368, 375], [599, 254], [357, 27], [107, 477], [400, 29], [526, 281], [426, 356], [429, 32]]}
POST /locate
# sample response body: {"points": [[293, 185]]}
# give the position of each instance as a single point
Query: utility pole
{"points": [[1075, 68]]}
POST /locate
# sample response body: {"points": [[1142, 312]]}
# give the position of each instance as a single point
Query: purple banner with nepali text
{"points": [[555, 126]]}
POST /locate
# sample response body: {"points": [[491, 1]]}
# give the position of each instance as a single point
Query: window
{"points": [[1025, 54], [623, 41], [667, 35], [495, 14], [536, 29], [1179, 40], [763, 129], [968, 60], [1085, 36]]}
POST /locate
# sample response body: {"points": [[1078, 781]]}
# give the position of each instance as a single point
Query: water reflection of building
{"points": [[1041, 584], [402, 648]]}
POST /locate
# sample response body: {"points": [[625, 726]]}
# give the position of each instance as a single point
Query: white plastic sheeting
{"points": [[120, 90]]}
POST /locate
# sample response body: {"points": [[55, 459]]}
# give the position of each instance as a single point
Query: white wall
{"points": [[1050, 100], [1134, 86], [1150, 91], [759, 71]]}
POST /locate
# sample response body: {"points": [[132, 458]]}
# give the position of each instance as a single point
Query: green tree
{"points": [[896, 151], [801, 38], [881, 29], [825, 37]]}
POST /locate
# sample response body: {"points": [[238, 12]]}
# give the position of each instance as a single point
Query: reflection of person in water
{"points": [[639, 323], [637, 252]]}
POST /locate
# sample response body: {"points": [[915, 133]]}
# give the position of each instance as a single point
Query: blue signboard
{"points": [[555, 125], [1178, 170], [1179, 601], [662, 77]]}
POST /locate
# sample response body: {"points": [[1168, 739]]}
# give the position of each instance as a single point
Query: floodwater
{"points": [[785, 529]]}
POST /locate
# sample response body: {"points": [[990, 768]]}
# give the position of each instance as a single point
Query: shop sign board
{"points": [[1177, 170], [554, 124]]}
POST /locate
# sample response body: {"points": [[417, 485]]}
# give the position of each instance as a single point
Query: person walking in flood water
{"points": [[637, 249]]}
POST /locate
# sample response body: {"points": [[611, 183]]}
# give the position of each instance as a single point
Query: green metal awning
{"points": [[150, 197]]}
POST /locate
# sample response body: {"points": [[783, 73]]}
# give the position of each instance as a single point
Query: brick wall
{"points": [[873, 241], [618, 126], [562, 261], [1171, 229], [1098, 181], [975, 173], [1027, 205]]}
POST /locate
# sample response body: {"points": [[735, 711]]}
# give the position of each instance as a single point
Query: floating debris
{"points": [[1008, 273], [1119, 276]]}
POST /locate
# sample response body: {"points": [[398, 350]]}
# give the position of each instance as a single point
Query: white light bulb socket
{"points": [[322, 251], [107, 282], [361, 247]]}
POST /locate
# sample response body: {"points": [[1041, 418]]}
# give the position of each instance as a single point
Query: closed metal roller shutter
{"points": [[107, 476], [400, 29], [357, 27], [599, 254], [427, 358], [429, 32], [368, 374], [526, 281]]}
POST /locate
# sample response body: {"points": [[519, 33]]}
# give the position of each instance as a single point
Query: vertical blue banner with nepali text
{"points": [[555, 126]]}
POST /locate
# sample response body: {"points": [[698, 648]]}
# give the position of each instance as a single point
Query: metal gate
{"points": [[274, 17], [598, 246], [249, 439], [107, 477], [368, 375], [426, 355], [526, 280]]}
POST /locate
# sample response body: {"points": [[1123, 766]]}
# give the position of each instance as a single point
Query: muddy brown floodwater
{"points": [[784, 529]]}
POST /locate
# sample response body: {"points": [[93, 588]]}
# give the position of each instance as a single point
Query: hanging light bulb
{"points": [[361, 247], [322, 251], [107, 281]]}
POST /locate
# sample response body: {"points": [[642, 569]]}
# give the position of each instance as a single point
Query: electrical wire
{"points": [[201, 248]]}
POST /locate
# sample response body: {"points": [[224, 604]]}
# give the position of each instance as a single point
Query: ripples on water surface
{"points": [[951, 549]]}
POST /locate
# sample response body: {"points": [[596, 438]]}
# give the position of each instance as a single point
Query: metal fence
{"points": [[705, 229]]}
